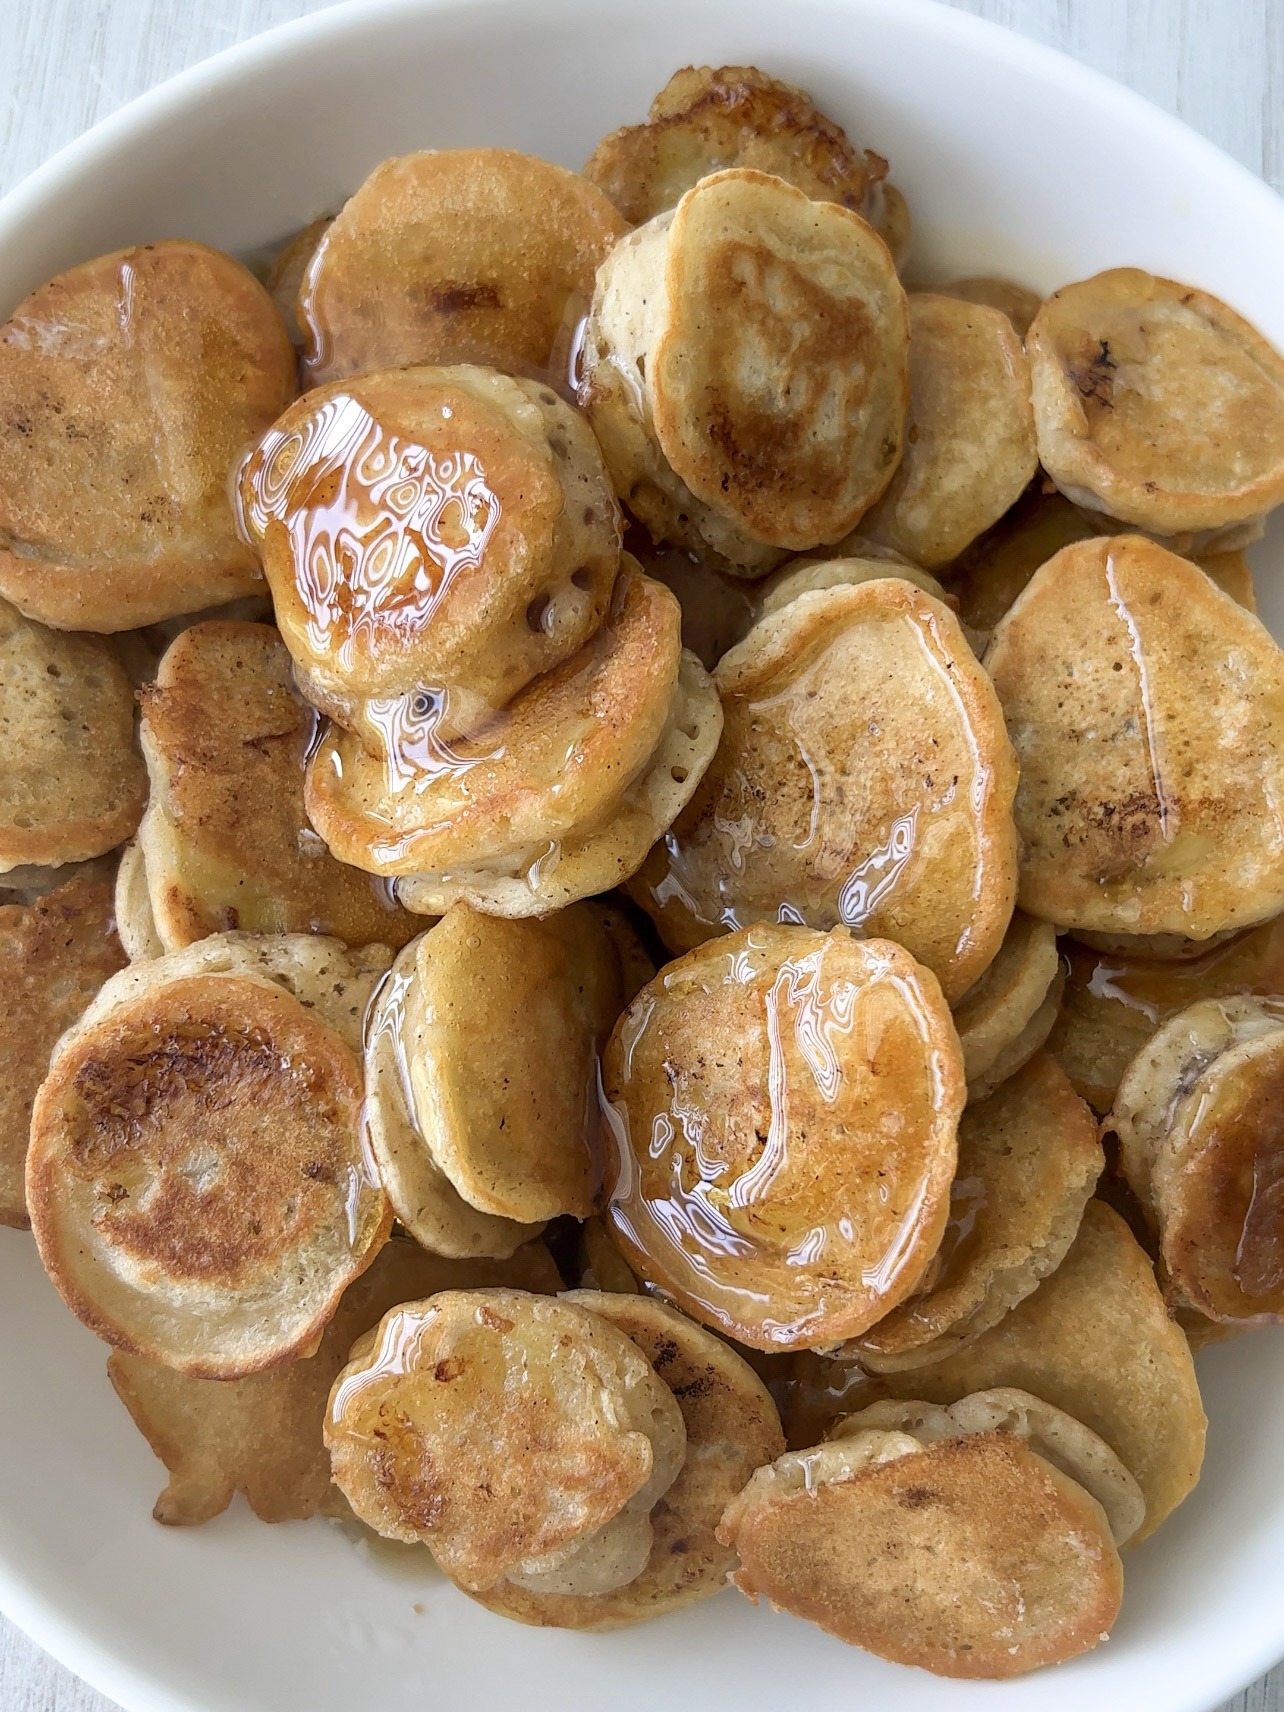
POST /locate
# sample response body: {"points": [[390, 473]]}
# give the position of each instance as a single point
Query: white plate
{"points": [[1012, 157]]}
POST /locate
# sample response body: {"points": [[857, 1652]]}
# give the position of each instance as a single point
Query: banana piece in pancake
{"points": [[999, 1017], [745, 369], [225, 839], [1095, 1340], [137, 380], [1052, 1434], [289, 267], [72, 785], [521, 1438], [262, 1435], [1201, 1144], [422, 1196], [781, 1110], [864, 777], [1157, 403], [1152, 774], [434, 538], [1028, 1160], [197, 1178], [621, 731], [454, 255], [1017, 302], [969, 438], [502, 1023], [970, 1556], [732, 1428], [1116, 1000], [706, 118], [56, 952]]}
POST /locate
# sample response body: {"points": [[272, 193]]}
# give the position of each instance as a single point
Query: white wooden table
{"points": [[1218, 63]]}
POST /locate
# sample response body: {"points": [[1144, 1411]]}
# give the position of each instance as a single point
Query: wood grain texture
{"points": [[1218, 63]]}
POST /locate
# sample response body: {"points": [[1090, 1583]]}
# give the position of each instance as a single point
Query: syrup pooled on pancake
{"points": [[782, 1111]]}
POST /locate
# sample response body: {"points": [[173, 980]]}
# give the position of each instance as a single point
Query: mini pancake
{"points": [[502, 1025], [72, 785], [806, 576], [1201, 1143], [422, 1196], [137, 380], [969, 437], [1114, 1001], [545, 877], [781, 1110], [55, 952], [453, 255], [1151, 775], [140, 651], [1028, 1160], [285, 276], [196, 1180], [991, 573], [1157, 403], [864, 777], [717, 607], [1017, 302], [225, 838], [745, 369], [970, 1557], [732, 1428], [1095, 1340], [705, 119], [29, 882], [555, 761], [135, 922], [993, 1017], [1052, 1434], [262, 1435], [1023, 1045], [434, 539], [503, 1430]]}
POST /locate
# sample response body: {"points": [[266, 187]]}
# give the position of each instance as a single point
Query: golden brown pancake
{"points": [[453, 255], [503, 1430], [1052, 1434], [434, 539], [197, 1180], [556, 761], [745, 369], [1028, 1160], [1152, 776], [140, 651], [422, 1196], [1017, 302], [225, 838], [1157, 403], [991, 573], [1095, 1339], [71, 783], [864, 777], [994, 1016], [717, 607], [1201, 1142], [262, 1435], [55, 952], [969, 437], [705, 119], [731, 1429], [1115, 1001], [285, 276], [970, 1557], [133, 383], [807, 575], [502, 1026], [781, 1110]]}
